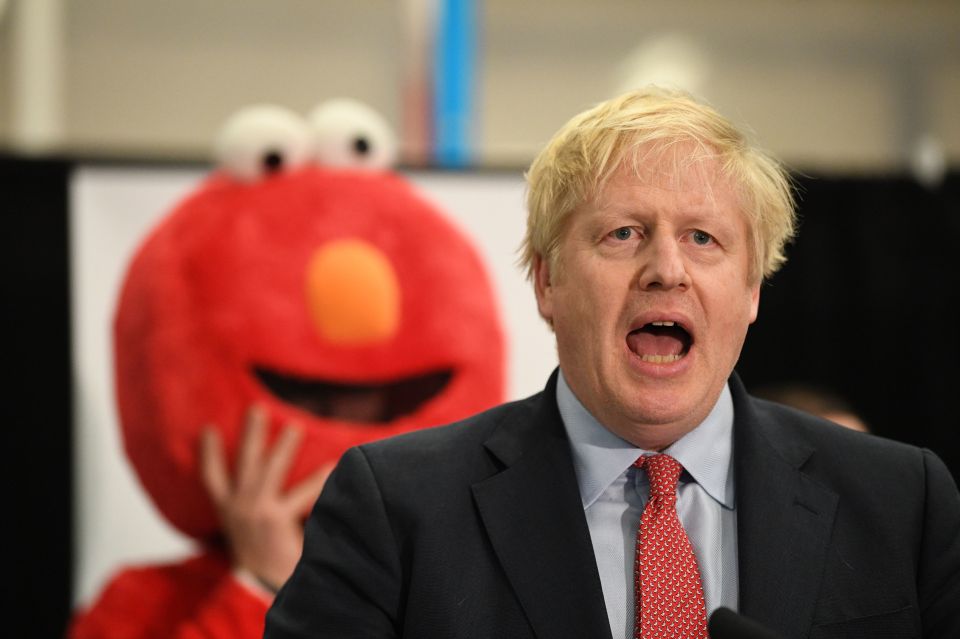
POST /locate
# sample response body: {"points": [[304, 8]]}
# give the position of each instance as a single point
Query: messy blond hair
{"points": [[574, 166]]}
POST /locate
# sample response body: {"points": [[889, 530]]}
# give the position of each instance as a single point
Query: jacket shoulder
{"points": [[459, 443], [822, 447]]}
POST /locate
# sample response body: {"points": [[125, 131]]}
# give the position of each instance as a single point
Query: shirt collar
{"points": [[600, 457]]}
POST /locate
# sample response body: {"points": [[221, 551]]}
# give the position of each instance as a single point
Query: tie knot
{"points": [[663, 471]]}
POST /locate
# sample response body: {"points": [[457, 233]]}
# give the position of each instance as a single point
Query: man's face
{"points": [[651, 298]]}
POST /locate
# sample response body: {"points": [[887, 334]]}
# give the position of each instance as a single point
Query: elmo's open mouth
{"points": [[363, 403], [661, 342]]}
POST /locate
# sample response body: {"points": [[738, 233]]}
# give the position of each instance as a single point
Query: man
{"points": [[652, 224]]}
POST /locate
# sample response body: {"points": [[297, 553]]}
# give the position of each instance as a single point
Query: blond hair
{"points": [[574, 166]]}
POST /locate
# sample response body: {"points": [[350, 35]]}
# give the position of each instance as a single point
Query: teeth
{"points": [[660, 359], [664, 323]]}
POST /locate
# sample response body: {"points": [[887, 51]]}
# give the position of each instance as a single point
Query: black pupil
{"points": [[361, 146], [272, 161]]}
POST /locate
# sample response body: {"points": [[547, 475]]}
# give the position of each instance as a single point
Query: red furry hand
{"points": [[262, 523]]}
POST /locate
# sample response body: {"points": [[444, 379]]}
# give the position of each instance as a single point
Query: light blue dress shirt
{"points": [[614, 494]]}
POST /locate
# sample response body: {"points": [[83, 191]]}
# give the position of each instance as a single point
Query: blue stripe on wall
{"points": [[453, 82]]}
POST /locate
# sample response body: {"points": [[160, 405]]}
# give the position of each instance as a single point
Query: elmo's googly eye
{"points": [[262, 140], [347, 133]]}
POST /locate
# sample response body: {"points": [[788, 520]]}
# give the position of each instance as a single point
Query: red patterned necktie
{"points": [[667, 589]]}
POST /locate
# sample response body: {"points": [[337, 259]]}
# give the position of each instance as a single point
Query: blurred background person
{"points": [[818, 401]]}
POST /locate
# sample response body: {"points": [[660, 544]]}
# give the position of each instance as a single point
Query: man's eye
{"points": [[624, 233], [702, 238]]}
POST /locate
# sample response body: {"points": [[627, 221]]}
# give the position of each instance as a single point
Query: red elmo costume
{"points": [[337, 298]]}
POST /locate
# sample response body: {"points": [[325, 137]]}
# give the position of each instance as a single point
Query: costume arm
{"points": [[231, 610], [939, 576], [347, 583], [153, 603]]}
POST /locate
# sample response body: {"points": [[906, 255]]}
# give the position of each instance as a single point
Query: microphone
{"points": [[726, 624]]}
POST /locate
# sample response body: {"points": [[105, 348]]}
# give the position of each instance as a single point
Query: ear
{"points": [[755, 301], [543, 288]]}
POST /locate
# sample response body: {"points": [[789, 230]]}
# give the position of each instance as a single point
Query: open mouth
{"points": [[661, 342], [376, 403]]}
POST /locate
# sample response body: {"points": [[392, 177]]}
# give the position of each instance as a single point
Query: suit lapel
{"points": [[784, 521], [534, 518]]}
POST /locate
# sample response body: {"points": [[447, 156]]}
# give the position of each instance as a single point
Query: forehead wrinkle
{"points": [[695, 180]]}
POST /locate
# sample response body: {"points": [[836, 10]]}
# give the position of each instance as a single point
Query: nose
{"points": [[352, 293], [663, 265]]}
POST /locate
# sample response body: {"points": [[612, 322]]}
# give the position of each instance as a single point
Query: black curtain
{"points": [[36, 413], [868, 306]]}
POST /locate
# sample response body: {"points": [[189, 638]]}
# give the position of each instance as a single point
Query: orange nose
{"points": [[352, 293]]}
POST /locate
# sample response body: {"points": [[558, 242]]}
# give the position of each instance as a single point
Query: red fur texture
{"points": [[219, 289]]}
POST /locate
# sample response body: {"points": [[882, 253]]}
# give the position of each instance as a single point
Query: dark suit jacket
{"points": [[477, 530]]}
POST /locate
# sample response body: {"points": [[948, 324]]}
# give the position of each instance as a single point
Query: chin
{"points": [[657, 403], [657, 415]]}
